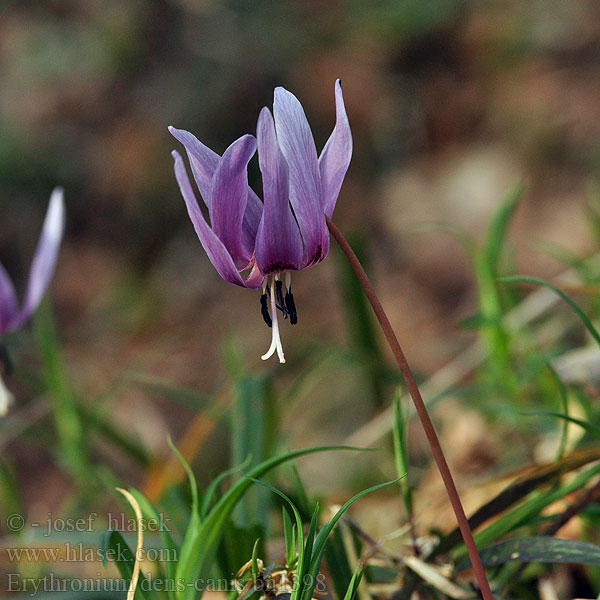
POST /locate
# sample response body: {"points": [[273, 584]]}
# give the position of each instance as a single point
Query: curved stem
{"points": [[415, 394]]}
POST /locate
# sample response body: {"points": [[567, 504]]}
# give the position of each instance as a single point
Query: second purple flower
{"points": [[287, 232]]}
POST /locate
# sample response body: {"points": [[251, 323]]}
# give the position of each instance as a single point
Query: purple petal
{"points": [[213, 246], [298, 148], [278, 242], [252, 216], [203, 162], [229, 196], [336, 155], [8, 300], [44, 260]]}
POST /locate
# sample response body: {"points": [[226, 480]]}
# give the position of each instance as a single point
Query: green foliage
{"points": [[541, 549], [113, 546], [72, 440], [488, 264]]}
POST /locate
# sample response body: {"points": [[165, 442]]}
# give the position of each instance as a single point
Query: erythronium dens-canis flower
{"points": [[42, 267], [287, 231]]}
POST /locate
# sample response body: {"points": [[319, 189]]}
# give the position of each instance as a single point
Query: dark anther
{"points": [[279, 297], [264, 310], [6, 364], [290, 306]]}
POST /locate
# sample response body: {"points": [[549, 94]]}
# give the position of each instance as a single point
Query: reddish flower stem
{"points": [[415, 394]]}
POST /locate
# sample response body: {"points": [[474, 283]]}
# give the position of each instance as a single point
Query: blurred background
{"points": [[452, 103]]}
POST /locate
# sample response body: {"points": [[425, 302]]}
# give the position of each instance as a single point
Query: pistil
{"points": [[275, 339]]}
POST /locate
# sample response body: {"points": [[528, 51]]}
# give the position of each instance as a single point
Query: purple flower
{"points": [[42, 268], [288, 231]]}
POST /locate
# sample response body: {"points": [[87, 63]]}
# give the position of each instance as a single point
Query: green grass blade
{"points": [[201, 543], [255, 560], [289, 536], [562, 392], [10, 500], [487, 265], [321, 539], [195, 523], [530, 509], [178, 394], [359, 321], [338, 562], [400, 452], [251, 436], [498, 228], [303, 558], [95, 421], [541, 549], [354, 583], [512, 494], [168, 544], [72, 440], [591, 428], [211, 490], [114, 547], [582, 316]]}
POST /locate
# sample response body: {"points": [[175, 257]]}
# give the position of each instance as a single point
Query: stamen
{"points": [[279, 297], [275, 339], [290, 305], [264, 310], [6, 364]]}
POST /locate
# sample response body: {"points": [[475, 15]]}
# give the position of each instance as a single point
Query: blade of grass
{"points": [[323, 535], [168, 544], [354, 583], [289, 536], [337, 558], [530, 509], [591, 428], [211, 490], [535, 281], [73, 450], [401, 457], [10, 500], [515, 492], [302, 549], [200, 542], [251, 437], [360, 323], [562, 392], [541, 549], [114, 546], [487, 266]]}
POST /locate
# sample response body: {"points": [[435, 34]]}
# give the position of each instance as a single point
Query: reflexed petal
{"points": [[336, 155], [278, 243], [229, 196], [203, 162], [298, 147], [214, 248], [8, 300], [255, 278], [44, 260]]}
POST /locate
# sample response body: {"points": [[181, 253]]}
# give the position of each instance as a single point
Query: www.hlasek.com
{"points": [[79, 552], [54, 583]]}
